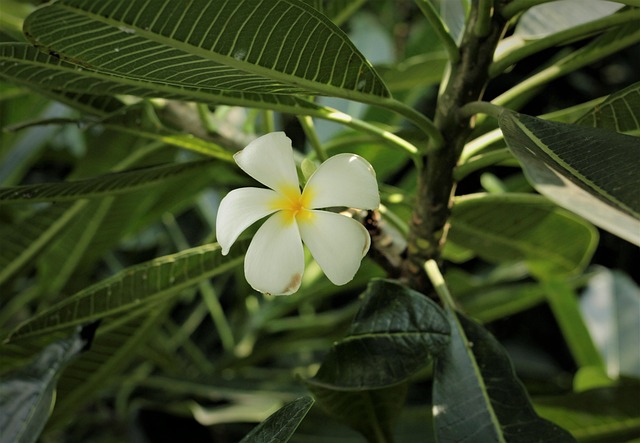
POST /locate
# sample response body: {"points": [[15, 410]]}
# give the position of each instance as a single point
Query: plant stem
{"points": [[306, 122], [437, 281], [436, 184], [422, 122], [483, 23], [347, 120], [440, 29], [480, 107]]}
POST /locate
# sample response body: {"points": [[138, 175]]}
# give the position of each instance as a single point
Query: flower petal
{"points": [[343, 180], [337, 243], [238, 210], [274, 262], [269, 159]]}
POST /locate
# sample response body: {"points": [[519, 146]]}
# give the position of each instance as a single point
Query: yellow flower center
{"points": [[293, 204]]}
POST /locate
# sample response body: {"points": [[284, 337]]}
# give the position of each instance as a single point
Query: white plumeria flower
{"points": [[274, 262]]}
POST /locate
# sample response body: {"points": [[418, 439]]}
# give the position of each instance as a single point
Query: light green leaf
{"points": [[392, 337], [619, 112], [280, 426], [610, 305], [148, 282], [258, 46], [415, 72], [25, 65], [110, 184], [592, 172], [477, 396], [27, 395], [549, 18], [371, 412], [527, 227], [597, 415]]}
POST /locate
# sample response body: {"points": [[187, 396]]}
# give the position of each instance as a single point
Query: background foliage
{"points": [[498, 302]]}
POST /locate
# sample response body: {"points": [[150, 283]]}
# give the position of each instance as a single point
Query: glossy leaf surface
{"points": [[592, 172], [477, 396]]}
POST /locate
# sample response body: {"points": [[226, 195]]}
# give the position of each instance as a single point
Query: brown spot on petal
{"points": [[294, 283]]}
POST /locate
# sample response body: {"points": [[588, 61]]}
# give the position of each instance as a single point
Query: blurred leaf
{"points": [[610, 305], [112, 350], [592, 172], [372, 412], [240, 46], [109, 184], [477, 396], [25, 65], [280, 426], [506, 227], [415, 72], [549, 18], [338, 11], [20, 242], [26, 396], [392, 337], [148, 282], [603, 415], [619, 112]]}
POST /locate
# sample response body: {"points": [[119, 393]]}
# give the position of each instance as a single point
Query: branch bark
{"points": [[436, 185]]}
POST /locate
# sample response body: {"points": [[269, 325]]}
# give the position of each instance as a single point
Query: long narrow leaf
{"points": [[26, 65], [144, 283], [110, 184]]}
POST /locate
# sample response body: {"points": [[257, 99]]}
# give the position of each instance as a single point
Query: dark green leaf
{"points": [[147, 282], [592, 172], [371, 412], [26, 396], [392, 337], [275, 46], [110, 184], [505, 227], [619, 112], [477, 396], [280, 426]]}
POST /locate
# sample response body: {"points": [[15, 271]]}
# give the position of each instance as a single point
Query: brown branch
{"points": [[436, 185]]}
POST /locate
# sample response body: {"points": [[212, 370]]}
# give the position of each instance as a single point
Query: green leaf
{"points": [[592, 172], [372, 412], [602, 415], [276, 46], [619, 112], [109, 184], [148, 282], [26, 65], [528, 227], [27, 395], [392, 337], [477, 396], [280, 426]]}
